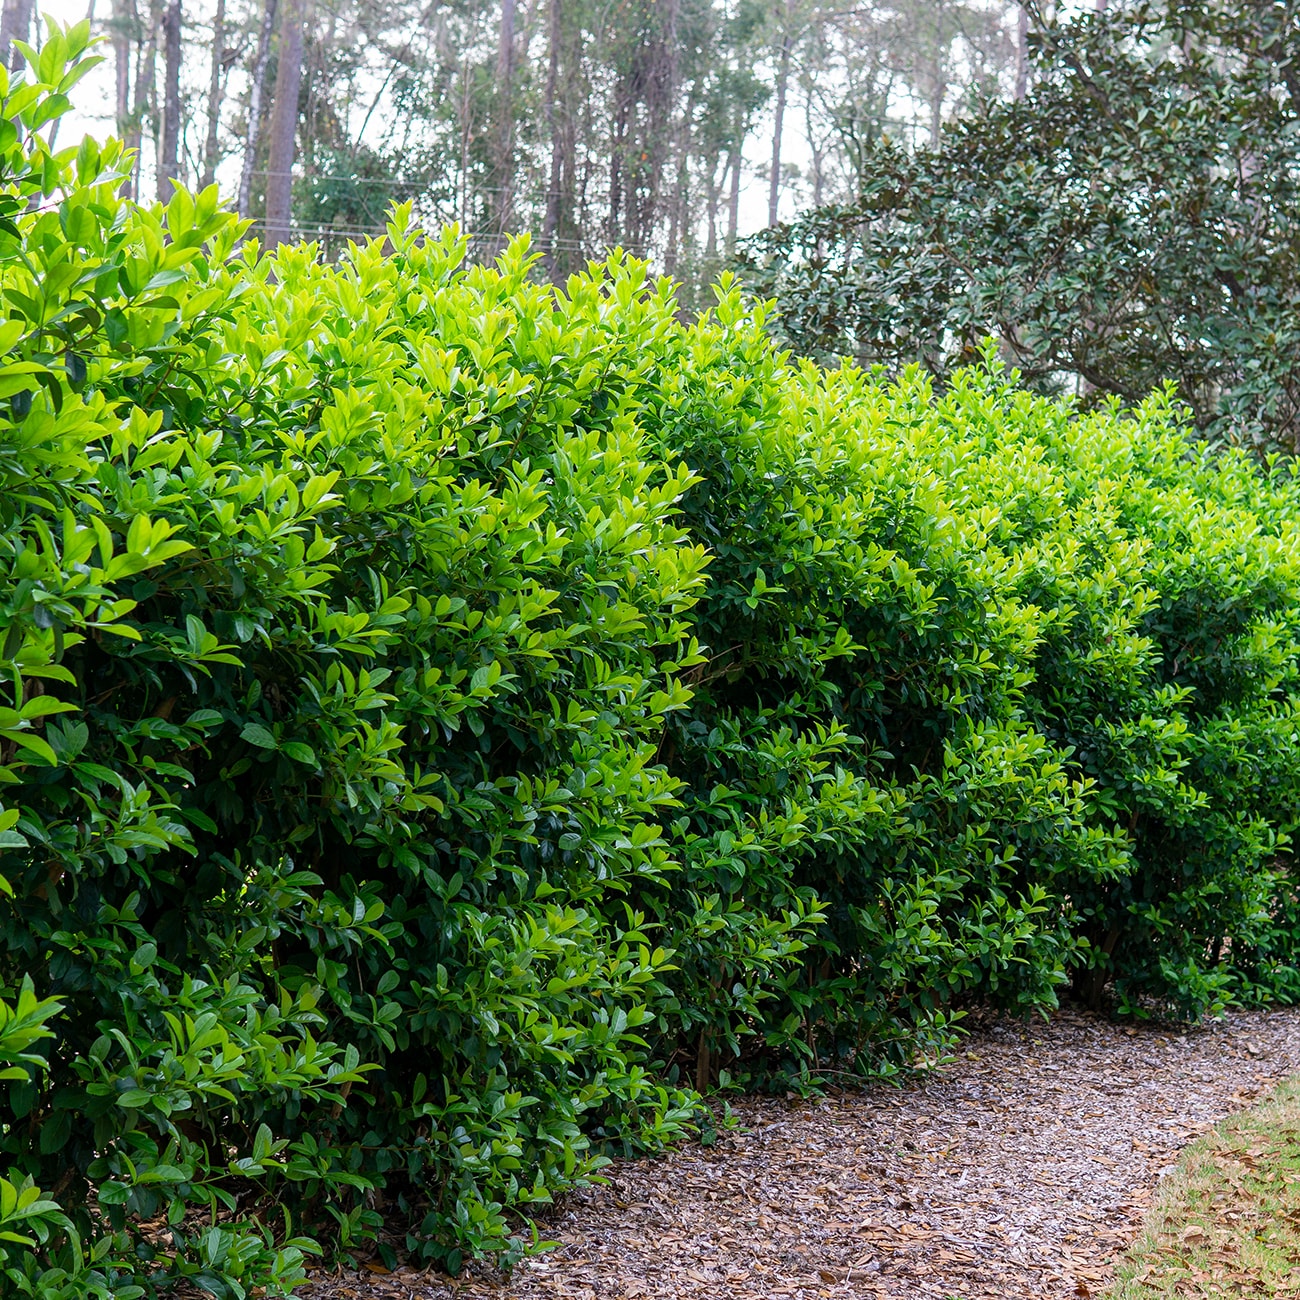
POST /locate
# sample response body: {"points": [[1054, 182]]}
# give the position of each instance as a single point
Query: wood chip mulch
{"points": [[1021, 1169]]}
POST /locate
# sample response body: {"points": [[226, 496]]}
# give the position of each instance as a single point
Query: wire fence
{"points": [[333, 238]]}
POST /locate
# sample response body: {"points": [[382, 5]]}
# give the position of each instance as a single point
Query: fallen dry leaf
{"points": [[1018, 1172]]}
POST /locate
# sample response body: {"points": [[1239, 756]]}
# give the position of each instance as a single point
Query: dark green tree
{"points": [[1131, 220]]}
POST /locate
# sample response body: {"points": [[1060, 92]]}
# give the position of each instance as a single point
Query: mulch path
{"points": [[1021, 1169]]}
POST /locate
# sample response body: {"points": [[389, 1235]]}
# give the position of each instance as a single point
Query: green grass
{"points": [[1228, 1222]]}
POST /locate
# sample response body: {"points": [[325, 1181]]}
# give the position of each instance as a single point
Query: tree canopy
{"points": [[1133, 219]]}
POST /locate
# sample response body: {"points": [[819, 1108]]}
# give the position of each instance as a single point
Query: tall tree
{"points": [[645, 54], [850, 78], [121, 26], [216, 85], [594, 124], [256, 93], [735, 165], [504, 161], [554, 130], [785, 47], [15, 25], [1196, 284], [169, 147], [1022, 51], [284, 124], [142, 111]]}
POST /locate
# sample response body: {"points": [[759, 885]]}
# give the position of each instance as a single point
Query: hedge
{"points": [[450, 723]]}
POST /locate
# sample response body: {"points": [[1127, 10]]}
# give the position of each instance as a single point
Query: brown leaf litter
{"points": [[1020, 1169]]}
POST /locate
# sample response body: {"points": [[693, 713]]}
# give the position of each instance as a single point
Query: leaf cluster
{"points": [[449, 723]]}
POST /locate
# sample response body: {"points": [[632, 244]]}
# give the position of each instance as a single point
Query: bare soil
{"points": [[1023, 1168]]}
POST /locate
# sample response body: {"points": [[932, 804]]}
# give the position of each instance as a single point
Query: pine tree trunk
{"points": [[571, 205], [661, 102], [121, 68], [505, 133], [284, 125], [466, 122], [256, 93], [15, 25], [711, 196], [212, 143], [940, 87], [144, 95], [678, 218], [778, 119], [618, 143], [550, 112], [169, 152], [1022, 53], [733, 199]]}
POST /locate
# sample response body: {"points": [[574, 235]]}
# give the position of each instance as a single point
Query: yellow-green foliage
{"points": [[444, 719]]}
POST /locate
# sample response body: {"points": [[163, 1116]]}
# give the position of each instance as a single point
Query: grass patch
{"points": [[1228, 1222]]}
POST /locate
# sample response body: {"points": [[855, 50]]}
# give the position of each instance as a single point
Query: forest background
{"points": [[665, 127]]}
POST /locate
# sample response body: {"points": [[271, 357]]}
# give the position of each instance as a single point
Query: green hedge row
{"points": [[448, 723]]}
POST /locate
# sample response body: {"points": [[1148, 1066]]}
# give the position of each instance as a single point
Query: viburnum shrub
{"points": [[342, 609], [1042, 670], [448, 722]]}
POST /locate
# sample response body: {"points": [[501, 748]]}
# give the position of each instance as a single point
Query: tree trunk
{"points": [[733, 200], [505, 133], [711, 211], [466, 118], [212, 143], [661, 104], [678, 220], [169, 152], [121, 67], [1022, 53], [256, 93], [618, 143], [818, 152], [317, 117], [550, 112], [940, 87], [679, 216], [15, 25], [144, 94], [778, 120], [569, 224], [284, 125]]}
